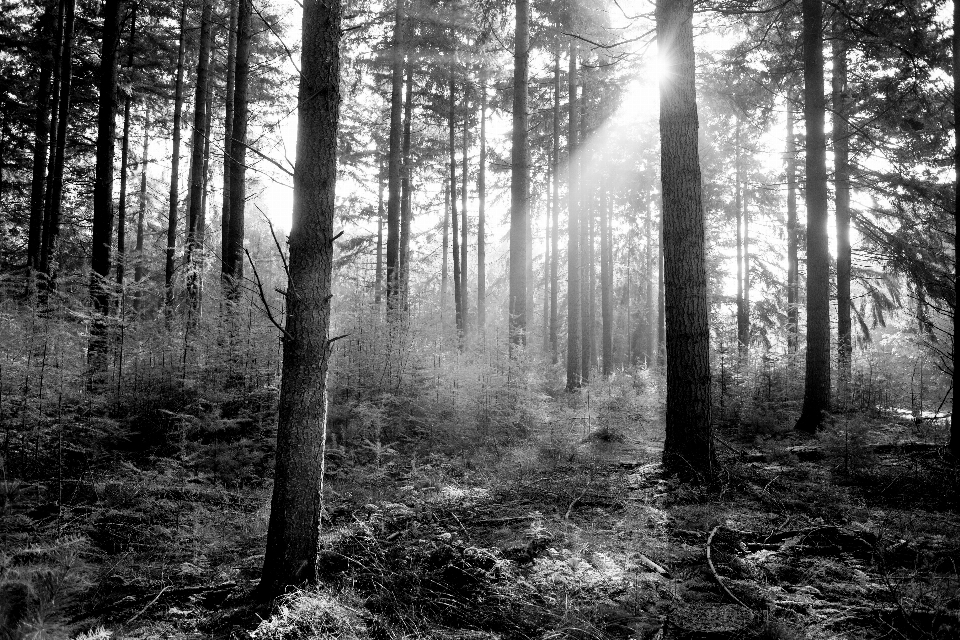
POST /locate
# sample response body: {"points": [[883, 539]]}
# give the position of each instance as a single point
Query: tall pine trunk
{"points": [[293, 533], [793, 262], [124, 157], [457, 277], [445, 266], [406, 186], [555, 201], [816, 395], [650, 345], [742, 330], [138, 271], [586, 246], [175, 163], [231, 68], [394, 161], [841, 161], [195, 211], [41, 138], [688, 449], [232, 270], [378, 276], [573, 231], [955, 413], [606, 282], [464, 219], [519, 182], [482, 210]]}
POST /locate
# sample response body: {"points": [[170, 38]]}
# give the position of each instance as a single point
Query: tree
{"points": [[232, 273], [606, 281], [228, 96], [41, 140], [124, 160], [175, 162], [955, 413], [138, 270], [816, 394], [841, 172], [555, 202], [573, 231], [793, 263], [519, 181], [293, 534], [688, 449], [482, 209], [394, 160]]}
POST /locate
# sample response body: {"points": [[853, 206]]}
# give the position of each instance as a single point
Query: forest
{"points": [[479, 320]]}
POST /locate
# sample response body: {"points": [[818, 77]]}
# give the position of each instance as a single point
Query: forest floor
{"points": [[570, 532]]}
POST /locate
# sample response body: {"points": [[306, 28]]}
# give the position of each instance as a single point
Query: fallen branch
{"points": [[148, 605], [650, 564], [713, 571]]}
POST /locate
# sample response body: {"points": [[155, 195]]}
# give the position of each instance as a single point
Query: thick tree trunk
{"points": [[195, 211], [457, 277], [54, 196], [231, 67], [955, 411], [555, 231], [378, 277], [482, 211], [841, 160], [142, 209], [816, 396], [175, 163], [41, 138], [103, 192], [232, 271], [394, 161], [464, 219], [406, 171], [573, 231], [293, 534], [519, 182], [606, 283], [793, 263], [688, 449], [124, 157]]}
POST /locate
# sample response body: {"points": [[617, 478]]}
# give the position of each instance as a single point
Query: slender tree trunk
{"points": [[54, 195], [746, 267], [394, 174], [232, 271], [231, 67], [196, 161], [574, 380], [793, 270], [142, 210], [103, 192], [586, 246], [546, 260], [519, 182], [661, 300], [378, 277], [124, 157], [201, 237], [555, 231], [445, 269], [955, 410], [688, 449], [651, 311], [816, 396], [175, 162], [738, 204], [41, 139], [482, 210], [293, 534], [841, 160], [406, 170], [464, 219], [606, 283], [457, 277]]}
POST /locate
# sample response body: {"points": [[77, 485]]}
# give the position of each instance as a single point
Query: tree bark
{"points": [[955, 410], [406, 170], [293, 534], [586, 245], [394, 160], [232, 271], [464, 219], [816, 396], [54, 196], [651, 310], [378, 277], [231, 65], [742, 329], [142, 210], [841, 160], [606, 283], [555, 231], [574, 380], [124, 157], [195, 211], [41, 138], [482, 210], [519, 182], [457, 277], [445, 268], [793, 263], [688, 449], [175, 163]]}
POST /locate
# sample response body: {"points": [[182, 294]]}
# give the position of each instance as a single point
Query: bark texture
{"points": [[393, 161], [232, 272], [793, 264], [519, 181], [841, 172], [175, 162], [573, 231]]}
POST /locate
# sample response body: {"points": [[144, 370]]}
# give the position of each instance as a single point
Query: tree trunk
{"points": [[41, 139], [378, 277], [232, 271], [586, 245], [688, 449], [457, 277], [231, 66], [606, 282], [519, 182], [738, 204], [293, 534], [103, 192], [746, 268], [651, 311], [195, 210], [394, 160], [816, 396], [482, 211], [793, 264], [954, 412], [573, 231], [207, 173], [124, 156], [54, 195], [841, 160], [555, 231], [406, 170], [175, 162], [142, 210], [661, 301], [445, 268], [464, 219]]}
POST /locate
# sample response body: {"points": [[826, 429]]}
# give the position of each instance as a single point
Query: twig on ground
{"points": [[148, 605], [566, 516], [713, 571]]}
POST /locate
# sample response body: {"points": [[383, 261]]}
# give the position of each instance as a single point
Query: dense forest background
{"points": [[461, 319]]}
